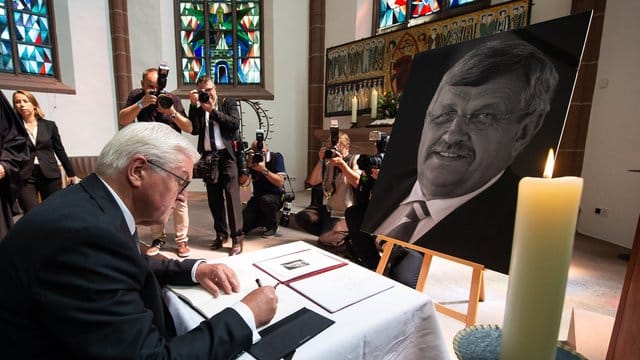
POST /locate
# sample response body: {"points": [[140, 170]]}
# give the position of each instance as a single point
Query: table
{"points": [[399, 323]]}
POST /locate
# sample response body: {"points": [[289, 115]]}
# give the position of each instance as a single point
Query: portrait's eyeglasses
{"points": [[476, 121], [182, 183], [208, 89]]}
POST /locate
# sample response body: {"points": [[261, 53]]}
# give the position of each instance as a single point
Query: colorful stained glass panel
{"points": [[420, 8], [249, 71], [33, 6], [35, 60], [192, 69], [225, 40], [29, 37], [392, 12]]}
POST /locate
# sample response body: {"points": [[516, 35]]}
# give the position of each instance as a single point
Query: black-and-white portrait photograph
{"points": [[295, 264], [474, 119]]}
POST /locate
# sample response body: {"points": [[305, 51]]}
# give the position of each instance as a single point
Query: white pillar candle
{"points": [[545, 225], [374, 104], [354, 109]]}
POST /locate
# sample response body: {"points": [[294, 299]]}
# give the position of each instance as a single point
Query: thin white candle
{"points": [[354, 109], [374, 104], [545, 225]]}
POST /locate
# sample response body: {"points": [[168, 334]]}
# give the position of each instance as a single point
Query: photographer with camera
{"points": [[363, 245], [152, 103], [339, 174], [268, 176], [216, 122]]}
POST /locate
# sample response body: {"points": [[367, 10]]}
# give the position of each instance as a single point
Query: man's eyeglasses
{"points": [[182, 183], [476, 121]]}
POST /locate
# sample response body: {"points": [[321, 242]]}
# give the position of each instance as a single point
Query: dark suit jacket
{"points": [[48, 145], [480, 230], [228, 117], [75, 286]]}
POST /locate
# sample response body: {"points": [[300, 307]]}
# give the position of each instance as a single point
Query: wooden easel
{"points": [[476, 292]]}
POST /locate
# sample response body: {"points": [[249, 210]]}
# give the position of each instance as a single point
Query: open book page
{"points": [[205, 304], [299, 264], [336, 289]]}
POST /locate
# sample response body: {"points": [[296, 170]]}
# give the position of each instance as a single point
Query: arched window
{"points": [[28, 57], [222, 39]]}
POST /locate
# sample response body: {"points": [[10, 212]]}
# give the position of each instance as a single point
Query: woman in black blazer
{"points": [[41, 174]]}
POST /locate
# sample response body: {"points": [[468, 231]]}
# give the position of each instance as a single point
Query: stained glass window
{"points": [[394, 14], [221, 39], [25, 38]]}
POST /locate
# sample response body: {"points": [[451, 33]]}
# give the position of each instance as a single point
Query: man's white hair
{"points": [[157, 142]]}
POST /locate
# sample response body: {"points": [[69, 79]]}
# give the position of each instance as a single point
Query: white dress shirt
{"points": [[438, 209]]}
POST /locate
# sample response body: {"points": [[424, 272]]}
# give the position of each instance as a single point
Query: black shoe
{"points": [[269, 233], [217, 244], [155, 247]]}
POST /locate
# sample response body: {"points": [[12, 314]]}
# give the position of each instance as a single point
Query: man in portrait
{"points": [[486, 110]]}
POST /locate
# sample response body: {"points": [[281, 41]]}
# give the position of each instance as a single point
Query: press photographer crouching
{"points": [[267, 176], [363, 247], [339, 174]]}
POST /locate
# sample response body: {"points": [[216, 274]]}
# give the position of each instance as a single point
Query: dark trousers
{"points": [[37, 184], [224, 200], [363, 246], [312, 218], [261, 211]]}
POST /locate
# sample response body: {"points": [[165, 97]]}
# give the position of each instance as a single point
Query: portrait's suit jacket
{"points": [[76, 286], [48, 145], [228, 117], [480, 230]]}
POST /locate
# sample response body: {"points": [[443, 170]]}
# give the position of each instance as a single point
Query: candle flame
{"points": [[548, 168]]}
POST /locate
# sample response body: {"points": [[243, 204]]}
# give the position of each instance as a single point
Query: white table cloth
{"points": [[399, 323]]}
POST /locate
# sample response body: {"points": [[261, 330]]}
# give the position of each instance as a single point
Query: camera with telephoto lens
{"points": [[362, 192], [332, 151], [164, 101], [240, 148], [287, 198], [286, 213], [258, 154], [368, 162]]}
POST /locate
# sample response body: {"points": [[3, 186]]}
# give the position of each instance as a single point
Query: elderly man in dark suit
{"points": [[487, 108], [216, 122], [76, 286]]}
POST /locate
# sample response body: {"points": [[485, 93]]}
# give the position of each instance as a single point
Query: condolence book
{"points": [[324, 279]]}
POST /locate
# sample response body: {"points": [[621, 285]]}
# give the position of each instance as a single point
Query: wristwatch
{"points": [[173, 116], [266, 172]]}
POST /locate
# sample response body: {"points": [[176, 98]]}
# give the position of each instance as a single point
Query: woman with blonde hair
{"points": [[41, 175]]}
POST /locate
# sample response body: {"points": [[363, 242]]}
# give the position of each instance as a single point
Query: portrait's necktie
{"points": [[407, 225]]}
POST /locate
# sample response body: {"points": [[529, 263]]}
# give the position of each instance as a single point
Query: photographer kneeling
{"points": [[267, 175], [339, 174]]}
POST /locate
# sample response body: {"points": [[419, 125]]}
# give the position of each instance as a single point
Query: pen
{"points": [[259, 282]]}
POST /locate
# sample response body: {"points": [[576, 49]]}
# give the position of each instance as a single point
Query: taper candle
{"points": [[545, 224], [374, 104], [354, 109]]}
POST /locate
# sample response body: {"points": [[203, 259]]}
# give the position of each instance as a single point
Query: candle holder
{"points": [[483, 342]]}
